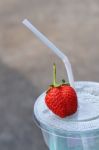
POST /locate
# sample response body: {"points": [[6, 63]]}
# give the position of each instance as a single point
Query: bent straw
{"points": [[50, 45]]}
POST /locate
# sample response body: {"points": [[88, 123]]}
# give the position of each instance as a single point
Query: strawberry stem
{"points": [[55, 84], [54, 74]]}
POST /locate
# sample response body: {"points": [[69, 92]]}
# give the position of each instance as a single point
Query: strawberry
{"points": [[61, 99]]}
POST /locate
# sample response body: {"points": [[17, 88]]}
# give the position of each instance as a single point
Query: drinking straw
{"points": [[50, 45]]}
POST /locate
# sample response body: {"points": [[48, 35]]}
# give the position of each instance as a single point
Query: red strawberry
{"points": [[61, 99]]}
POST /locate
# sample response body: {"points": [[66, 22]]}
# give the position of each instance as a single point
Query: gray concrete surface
{"points": [[26, 64]]}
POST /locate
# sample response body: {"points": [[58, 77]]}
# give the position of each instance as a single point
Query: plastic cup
{"points": [[77, 132], [75, 141]]}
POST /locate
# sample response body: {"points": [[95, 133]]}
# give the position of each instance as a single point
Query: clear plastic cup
{"points": [[77, 132]]}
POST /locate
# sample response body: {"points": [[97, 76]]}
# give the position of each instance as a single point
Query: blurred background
{"points": [[26, 64]]}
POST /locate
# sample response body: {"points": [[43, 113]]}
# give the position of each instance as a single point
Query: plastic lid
{"points": [[86, 118]]}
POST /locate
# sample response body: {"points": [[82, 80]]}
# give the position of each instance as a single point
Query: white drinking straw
{"points": [[53, 48]]}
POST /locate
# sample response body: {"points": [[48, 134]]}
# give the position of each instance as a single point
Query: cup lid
{"points": [[84, 120]]}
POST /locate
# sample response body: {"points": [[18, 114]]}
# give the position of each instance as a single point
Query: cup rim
{"points": [[88, 134]]}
